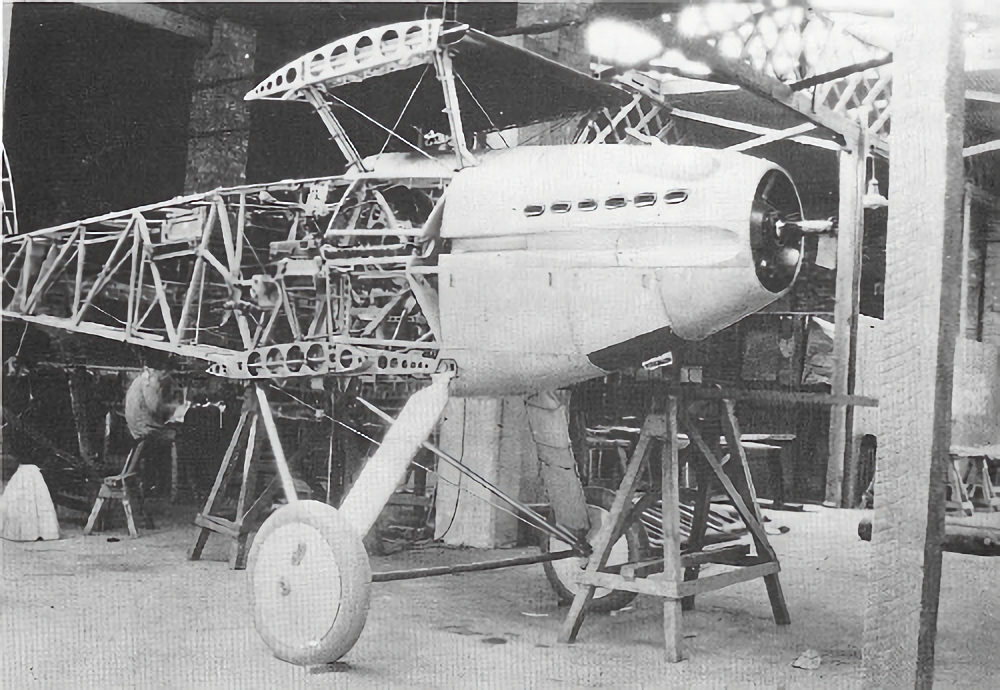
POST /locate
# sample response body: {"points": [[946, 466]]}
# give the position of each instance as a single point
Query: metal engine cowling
{"points": [[561, 252]]}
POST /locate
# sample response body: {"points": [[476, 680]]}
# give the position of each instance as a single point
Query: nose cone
{"points": [[777, 249]]}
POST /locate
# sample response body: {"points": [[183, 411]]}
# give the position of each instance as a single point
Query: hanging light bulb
{"points": [[873, 196]]}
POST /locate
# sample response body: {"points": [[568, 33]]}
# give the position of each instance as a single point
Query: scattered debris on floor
{"points": [[808, 660]]}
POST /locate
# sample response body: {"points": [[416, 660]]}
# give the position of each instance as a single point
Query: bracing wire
{"points": [[403, 111], [457, 485], [488, 118], [389, 131]]}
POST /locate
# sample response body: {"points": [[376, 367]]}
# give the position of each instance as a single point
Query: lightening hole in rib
{"points": [[338, 58], [315, 357], [390, 42], [414, 35], [294, 359], [316, 64], [364, 49]]}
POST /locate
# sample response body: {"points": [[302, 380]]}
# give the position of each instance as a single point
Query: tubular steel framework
{"points": [[309, 277]]}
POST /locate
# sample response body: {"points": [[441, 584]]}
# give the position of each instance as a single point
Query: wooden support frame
{"points": [[159, 18], [922, 293], [255, 413], [772, 137], [841, 472], [770, 88], [677, 582]]}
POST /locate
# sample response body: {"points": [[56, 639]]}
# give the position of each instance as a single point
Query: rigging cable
{"points": [[490, 119], [389, 131], [538, 523], [403, 111]]}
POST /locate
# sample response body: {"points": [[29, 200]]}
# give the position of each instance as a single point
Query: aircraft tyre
{"points": [[627, 548], [309, 583]]}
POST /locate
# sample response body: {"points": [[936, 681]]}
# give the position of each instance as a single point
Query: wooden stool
{"points": [[116, 488]]}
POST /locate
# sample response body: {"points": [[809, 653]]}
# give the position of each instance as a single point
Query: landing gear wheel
{"points": [[627, 548], [309, 583]]}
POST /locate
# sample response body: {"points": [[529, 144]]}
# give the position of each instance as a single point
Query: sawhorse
{"points": [[243, 525], [238, 528], [675, 587], [115, 488], [969, 472]]}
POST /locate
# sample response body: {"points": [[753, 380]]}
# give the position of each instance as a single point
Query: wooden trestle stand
{"points": [[254, 413], [674, 577]]}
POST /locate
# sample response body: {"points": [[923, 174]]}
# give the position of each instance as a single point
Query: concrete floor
{"points": [[85, 612]]}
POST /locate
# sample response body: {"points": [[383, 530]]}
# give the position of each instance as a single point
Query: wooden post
{"points": [[175, 472], [850, 234], [963, 313], [672, 608], [923, 272], [79, 383]]}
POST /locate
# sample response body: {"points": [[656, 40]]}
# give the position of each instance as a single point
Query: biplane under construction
{"points": [[445, 257]]}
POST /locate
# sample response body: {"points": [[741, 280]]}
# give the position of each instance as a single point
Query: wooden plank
{"points": [[735, 554], [731, 431], [227, 458], [248, 457], [745, 483], [746, 127], [773, 396], [653, 585], [977, 149], [159, 18], [923, 270], [731, 577], [659, 586], [777, 135], [220, 525]]}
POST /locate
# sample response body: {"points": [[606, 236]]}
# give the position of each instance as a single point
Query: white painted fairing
{"points": [[526, 298]]}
